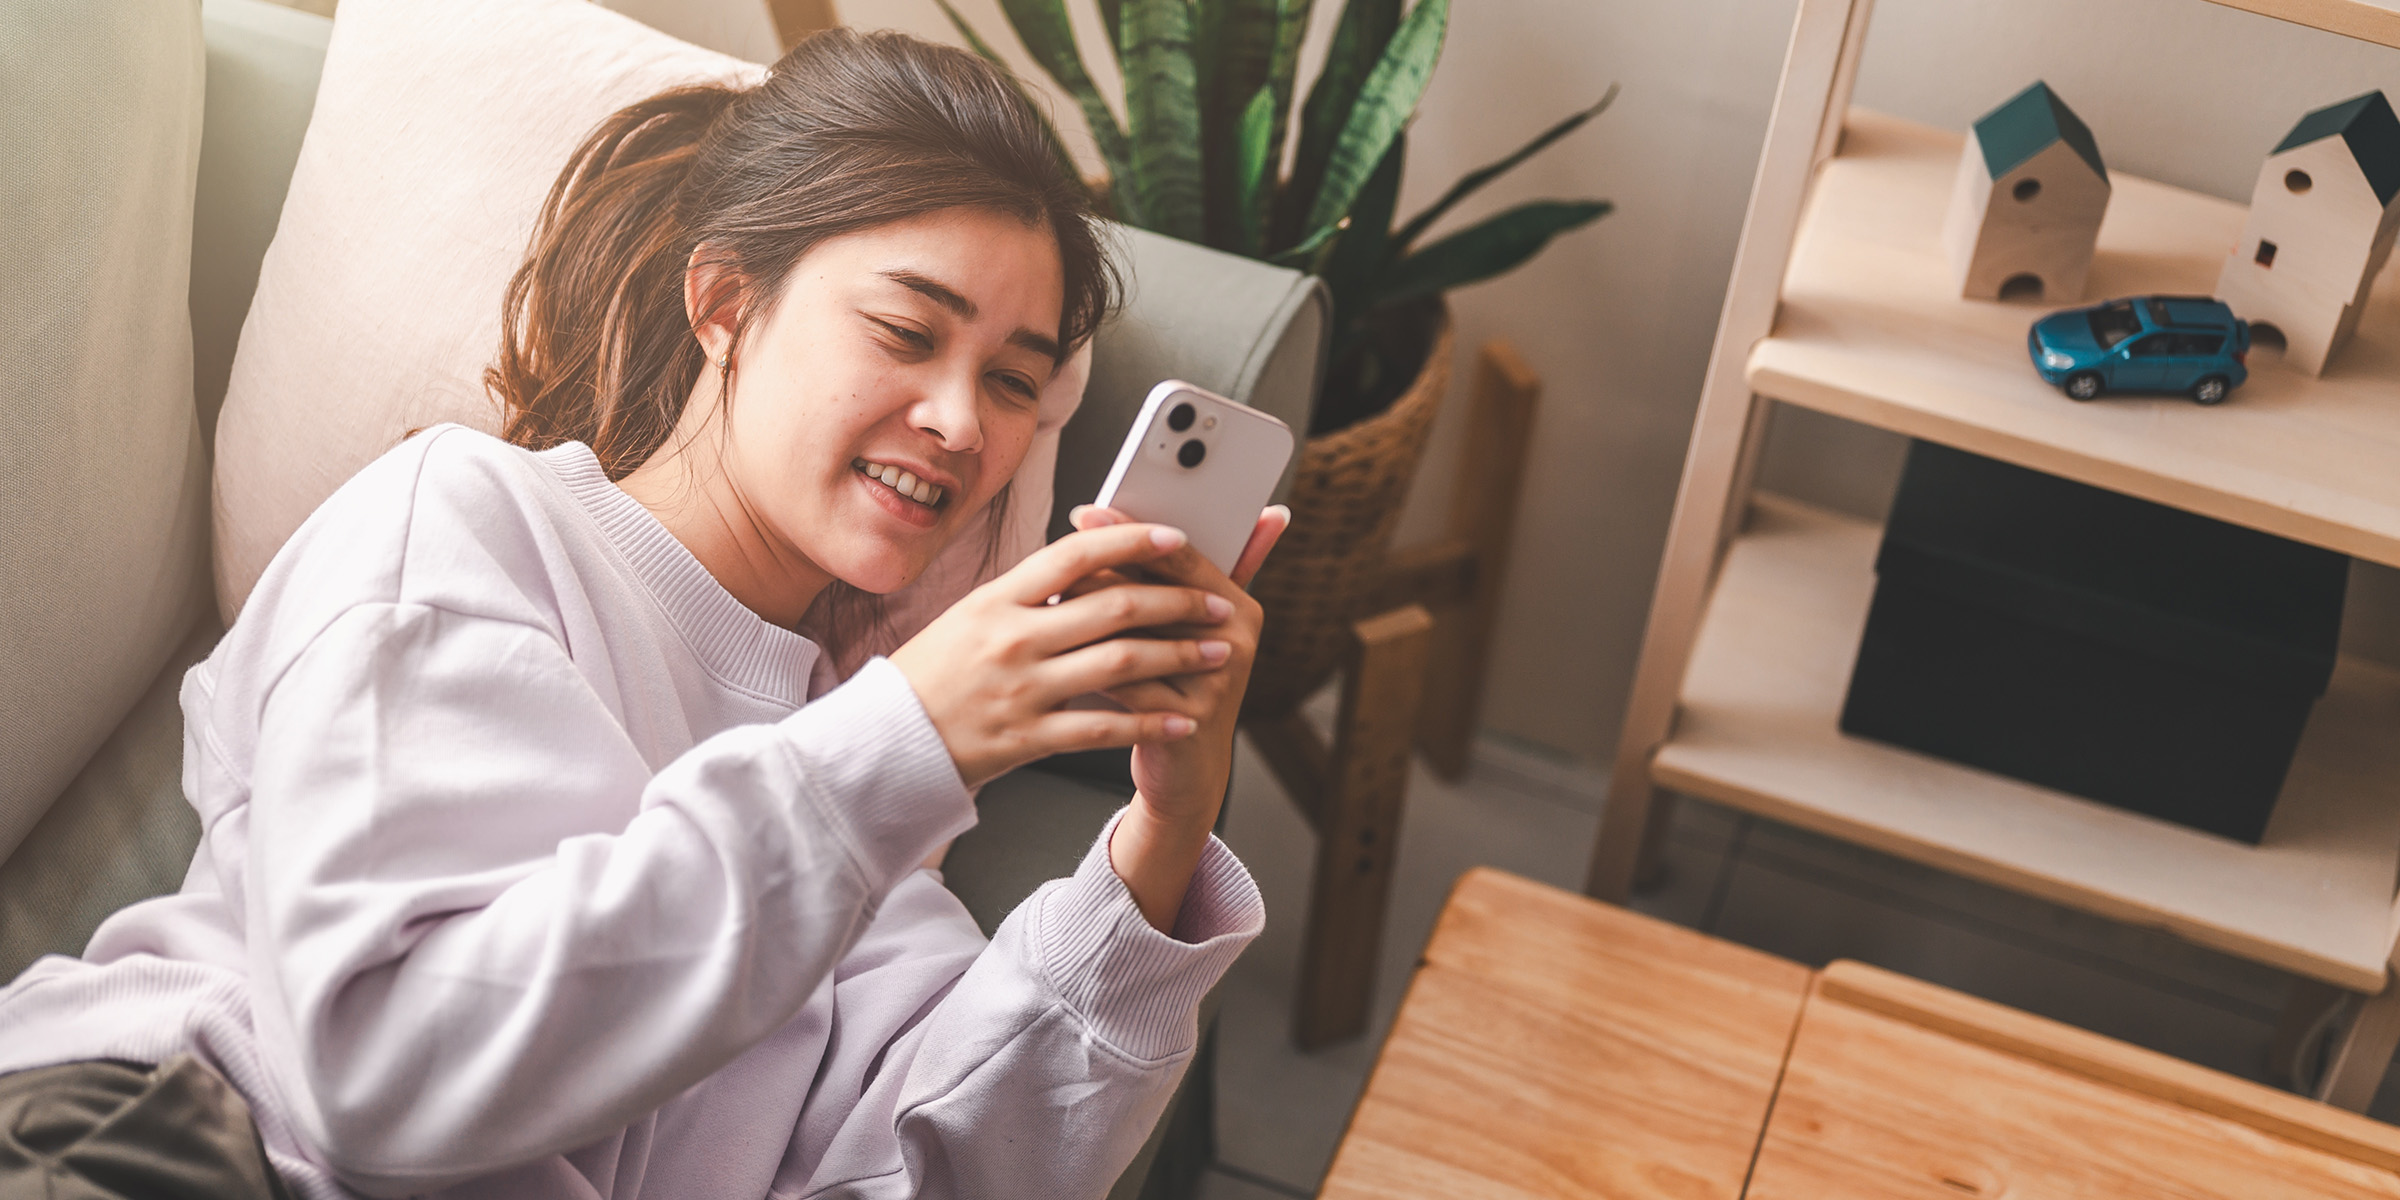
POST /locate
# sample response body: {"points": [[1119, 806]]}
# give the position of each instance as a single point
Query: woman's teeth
{"points": [[900, 481]]}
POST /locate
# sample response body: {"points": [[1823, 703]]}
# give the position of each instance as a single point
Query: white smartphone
{"points": [[1201, 463]]}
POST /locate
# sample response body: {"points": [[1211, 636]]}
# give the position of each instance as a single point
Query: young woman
{"points": [[530, 866]]}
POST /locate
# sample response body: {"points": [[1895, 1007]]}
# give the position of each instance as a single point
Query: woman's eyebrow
{"points": [[934, 290], [949, 298]]}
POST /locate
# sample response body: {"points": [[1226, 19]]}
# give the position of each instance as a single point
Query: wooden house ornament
{"points": [[2321, 223], [2025, 210]]}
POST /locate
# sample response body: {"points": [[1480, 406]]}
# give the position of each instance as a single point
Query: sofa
{"points": [[104, 546]]}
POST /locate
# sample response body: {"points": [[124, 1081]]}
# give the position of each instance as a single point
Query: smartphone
{"points": [[1201, 463]]}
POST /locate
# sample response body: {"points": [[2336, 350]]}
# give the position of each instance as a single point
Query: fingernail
{"points": [[1284, 509], [1219, 607], [1075, 514], [1215, 651], [1166, 538], [1181, 726]]}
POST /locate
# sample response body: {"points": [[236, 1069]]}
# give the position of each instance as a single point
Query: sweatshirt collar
{"points": [[737, 644]]}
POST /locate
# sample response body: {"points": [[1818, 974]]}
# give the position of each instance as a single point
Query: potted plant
{"points": [[1209, 89]]}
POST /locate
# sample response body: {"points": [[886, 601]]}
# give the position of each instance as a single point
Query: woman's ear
{"points": [[711, 302]]}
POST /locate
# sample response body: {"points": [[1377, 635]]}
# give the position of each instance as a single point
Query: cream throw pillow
{"points": [[439, 127]]}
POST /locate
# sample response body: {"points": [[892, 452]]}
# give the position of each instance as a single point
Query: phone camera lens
{"points": [[1192, 452], [1179, 418]]}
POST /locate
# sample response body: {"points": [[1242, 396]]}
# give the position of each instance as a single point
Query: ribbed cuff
{"points": [[1140, 989], [873, 764]]}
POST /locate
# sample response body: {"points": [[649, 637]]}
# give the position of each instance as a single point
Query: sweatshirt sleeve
{"points": [[1042, 1070], [483, 930]]}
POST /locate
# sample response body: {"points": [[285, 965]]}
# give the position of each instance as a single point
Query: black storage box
{"points": [[2090, 642]]}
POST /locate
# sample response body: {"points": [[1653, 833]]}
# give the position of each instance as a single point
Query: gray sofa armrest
{"points": [[1236, 326]]}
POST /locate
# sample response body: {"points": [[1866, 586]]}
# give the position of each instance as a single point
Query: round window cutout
{"points": [[2297, 182], [2026, 189]]}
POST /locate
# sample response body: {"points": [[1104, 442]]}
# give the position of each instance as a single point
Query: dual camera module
{"points": [[1180, 418]]}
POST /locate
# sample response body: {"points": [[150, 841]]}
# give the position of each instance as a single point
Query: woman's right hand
{"points": [[994, 671]]}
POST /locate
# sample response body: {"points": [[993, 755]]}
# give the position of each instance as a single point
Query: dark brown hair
{"points": [[849, 131]]}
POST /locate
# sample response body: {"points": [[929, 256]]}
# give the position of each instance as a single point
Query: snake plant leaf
{"points": [[1305, 256], [1244, 45], [1359, 39], [1473, 180], [1283, 68], [1042, 26], [975, 42], [1386, 101], [1363, 253], [1162, 93], [1484, 250], [1254, 167]]}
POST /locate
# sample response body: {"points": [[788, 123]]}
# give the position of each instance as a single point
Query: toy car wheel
{"points": [[2211, 390], [2082, 385]]}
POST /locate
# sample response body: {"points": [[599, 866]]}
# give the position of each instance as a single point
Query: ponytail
{"points": [[595, 346]]}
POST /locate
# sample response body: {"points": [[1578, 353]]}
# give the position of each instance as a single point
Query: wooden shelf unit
{"points": [[2367, 20], [1871, 330], [1757, 733], [1839, 302]]}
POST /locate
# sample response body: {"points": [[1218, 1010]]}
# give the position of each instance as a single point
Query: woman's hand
{"points": [[993, 671], [1180, 785]]}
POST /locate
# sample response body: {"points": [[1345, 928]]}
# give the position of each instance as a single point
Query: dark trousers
{"points": [[114, 1131]]}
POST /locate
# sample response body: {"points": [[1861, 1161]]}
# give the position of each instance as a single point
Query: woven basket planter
{"points": [[1345, 503]]}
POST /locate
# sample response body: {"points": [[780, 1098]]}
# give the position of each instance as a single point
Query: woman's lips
{"points": [[894, 503]]}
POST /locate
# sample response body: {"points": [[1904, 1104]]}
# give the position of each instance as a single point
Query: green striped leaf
{"points": [[1112, 18], [1236, 49], [1359, 39], [1482, 251], [1468, 183], [1363, 254], [1042, 26], [1386, 101], [1291, 25], [1162, 104], [1254, 168]]}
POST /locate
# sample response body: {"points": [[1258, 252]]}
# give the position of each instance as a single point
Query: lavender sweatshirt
{"points": [[524, 872]]}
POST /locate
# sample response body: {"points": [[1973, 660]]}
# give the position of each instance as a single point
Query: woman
{"points": [[525, 872]]}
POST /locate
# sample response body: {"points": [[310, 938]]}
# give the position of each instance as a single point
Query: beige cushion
{"points": [[101, 507], [439, 127]]}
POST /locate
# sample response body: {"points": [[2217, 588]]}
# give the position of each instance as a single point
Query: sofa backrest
{"points": [[103, 508]]}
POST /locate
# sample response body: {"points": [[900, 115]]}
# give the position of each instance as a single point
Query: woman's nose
{"points": [[948, 412]]}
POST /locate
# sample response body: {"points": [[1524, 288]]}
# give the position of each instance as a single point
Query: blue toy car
{"points": [[2190, 344]]}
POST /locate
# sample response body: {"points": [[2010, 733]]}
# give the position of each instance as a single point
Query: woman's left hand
{"points": [[1180, 785]]}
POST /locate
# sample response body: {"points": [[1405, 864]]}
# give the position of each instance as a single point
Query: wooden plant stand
{"points": [[1413, 679]]}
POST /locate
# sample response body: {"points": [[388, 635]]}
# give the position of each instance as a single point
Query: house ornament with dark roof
{"points": [[2321, 223], [2026, 206]]}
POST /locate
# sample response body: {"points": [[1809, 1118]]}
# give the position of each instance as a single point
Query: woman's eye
{"points": [[1018, 386], [908, 337]]}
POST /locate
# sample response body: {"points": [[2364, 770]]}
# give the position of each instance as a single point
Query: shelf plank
{"points": [[1870, 330], [2367, 20], [1757, 731]]}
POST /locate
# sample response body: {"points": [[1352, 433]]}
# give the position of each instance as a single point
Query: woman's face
{"points": [[913, 354]]}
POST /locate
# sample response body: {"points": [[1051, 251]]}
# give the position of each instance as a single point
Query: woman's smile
{"points": [[900, 493]]}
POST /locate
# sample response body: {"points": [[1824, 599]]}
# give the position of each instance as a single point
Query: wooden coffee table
{"points": [[1554, 1046]]}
